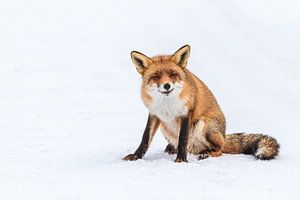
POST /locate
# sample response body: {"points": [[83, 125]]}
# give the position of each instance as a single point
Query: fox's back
{"points": [[204, 104]]}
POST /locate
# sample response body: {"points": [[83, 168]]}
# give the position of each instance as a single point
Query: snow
{"points": [[70, 104]]}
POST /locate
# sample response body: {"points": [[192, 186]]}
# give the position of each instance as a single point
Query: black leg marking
{"points": [[203, 154], [183, 140], [143, 147], [170, 149]]}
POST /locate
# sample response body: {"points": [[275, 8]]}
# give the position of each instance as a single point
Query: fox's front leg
{"points": [[183, 140], [151, 127]]}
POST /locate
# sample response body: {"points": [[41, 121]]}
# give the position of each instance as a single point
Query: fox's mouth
{"points": [[167, 92]]}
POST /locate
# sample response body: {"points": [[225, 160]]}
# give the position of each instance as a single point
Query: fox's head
{"points": [[163, 76]]}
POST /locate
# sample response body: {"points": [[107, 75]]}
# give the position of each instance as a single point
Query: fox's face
{"points": [[163, 79], [163, 76]]}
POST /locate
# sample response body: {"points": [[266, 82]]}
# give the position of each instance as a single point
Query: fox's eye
{"points": [[173, 75], [155, 78]]}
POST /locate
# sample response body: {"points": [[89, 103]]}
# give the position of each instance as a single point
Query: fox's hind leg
{"points": [[170, 149], [217, 142]]}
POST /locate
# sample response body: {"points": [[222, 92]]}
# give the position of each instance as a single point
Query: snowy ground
{"points": [[70, 106]]}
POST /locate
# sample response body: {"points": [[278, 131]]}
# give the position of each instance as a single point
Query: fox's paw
{"points": [[180, 160], [132, 157], [170, 149], [203, 155]]}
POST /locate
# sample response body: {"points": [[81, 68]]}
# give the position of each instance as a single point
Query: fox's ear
{"points": [[140, 61], [181, 56]]}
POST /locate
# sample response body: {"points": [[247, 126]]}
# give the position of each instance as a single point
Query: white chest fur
{"points": [[167, 108]]}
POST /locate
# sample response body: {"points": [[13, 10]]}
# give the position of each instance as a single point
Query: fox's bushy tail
{"points": [[261, 146]]}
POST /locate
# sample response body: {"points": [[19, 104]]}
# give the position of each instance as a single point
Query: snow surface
{"points": [[70, 104]]}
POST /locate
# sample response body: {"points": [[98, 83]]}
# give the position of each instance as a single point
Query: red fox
{"points": [[187, 113]]}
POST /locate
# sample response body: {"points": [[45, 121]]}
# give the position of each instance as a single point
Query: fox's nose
{"points": [[167, 86]]}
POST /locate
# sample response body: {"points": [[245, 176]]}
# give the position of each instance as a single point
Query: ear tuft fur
{"points": [[140, 61], [181, 56]]}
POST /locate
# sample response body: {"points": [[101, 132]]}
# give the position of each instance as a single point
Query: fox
{"points": [[188, 114]]}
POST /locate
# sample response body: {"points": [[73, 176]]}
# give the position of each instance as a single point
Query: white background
{"points": [[70, 106]]}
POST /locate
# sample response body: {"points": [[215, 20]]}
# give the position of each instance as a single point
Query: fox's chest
{"points": [[167, 109]]}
